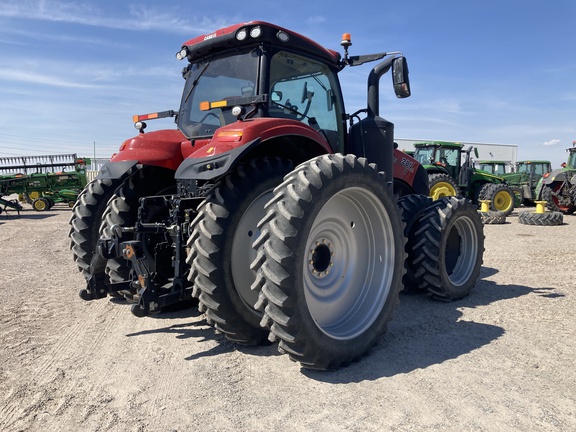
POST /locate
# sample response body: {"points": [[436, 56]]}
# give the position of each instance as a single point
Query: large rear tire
{"points": [[493, 217], [442, 185], [557, 197], [331, 261], [449, 247], [541, 219], [86, 219], [411, 208], [220, 248]]}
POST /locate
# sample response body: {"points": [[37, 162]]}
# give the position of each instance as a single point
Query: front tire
{"points": [[332, 261], [442, 185], [220, 248], [501, 199]]}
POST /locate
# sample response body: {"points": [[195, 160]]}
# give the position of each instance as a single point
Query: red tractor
{"points": [[271, 206]]}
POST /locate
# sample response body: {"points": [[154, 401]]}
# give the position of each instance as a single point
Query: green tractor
{"points": [[448, 177], [525, 178], [493, 167], [558, 187]]}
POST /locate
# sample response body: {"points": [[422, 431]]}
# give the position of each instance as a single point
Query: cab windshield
{"points": [[215, 80], [572, 159], [424, 155]]}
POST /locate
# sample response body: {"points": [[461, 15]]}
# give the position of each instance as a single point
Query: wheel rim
{"points": [[349, 263], [40, 205], [502, 201], [242, 252], [442, 189], [461, 251]]}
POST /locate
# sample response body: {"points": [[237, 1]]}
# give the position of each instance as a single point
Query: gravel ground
{"points": [[501, 359]]}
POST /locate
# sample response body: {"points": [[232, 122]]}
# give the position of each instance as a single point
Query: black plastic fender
{"points": [[211, 167], [115, 170]]}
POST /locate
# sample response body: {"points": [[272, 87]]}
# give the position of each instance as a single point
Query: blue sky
{"points": [[73, 72]]}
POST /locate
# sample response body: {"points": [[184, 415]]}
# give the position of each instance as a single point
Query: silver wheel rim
{"points": [[462, 251], [242, 252], [349, 263]]}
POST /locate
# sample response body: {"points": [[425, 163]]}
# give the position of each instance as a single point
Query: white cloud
{"points": [[37, 78], [141, 18], [552, 142], [316, 19]]}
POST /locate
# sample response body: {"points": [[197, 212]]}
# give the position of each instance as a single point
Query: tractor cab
{"points": [[532, 171], [440, 157], [262, 81], [493, 166]]}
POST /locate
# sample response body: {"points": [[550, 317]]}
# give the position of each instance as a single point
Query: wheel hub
{"points": [[320, 260]]}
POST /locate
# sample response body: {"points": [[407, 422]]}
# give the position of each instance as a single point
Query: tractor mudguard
{"points": [[411, 172], [158, 148], [210, 167], [115, 170], [558, 175]]}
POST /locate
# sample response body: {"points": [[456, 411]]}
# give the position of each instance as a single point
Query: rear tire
{"points": [[221, 251], [493, 217], [449, 246], [541, 219], [442, 185], [550, 194], [86, 219], [331, 261], [411, 208]]}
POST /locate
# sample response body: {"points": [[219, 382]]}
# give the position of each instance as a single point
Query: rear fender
{"points": [[409, 171], [212, 161], [232, 143], [558, 175], [158, 148]]}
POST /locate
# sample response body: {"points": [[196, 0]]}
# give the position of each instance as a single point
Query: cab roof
{"points": [[239, 35], [438, 144]]}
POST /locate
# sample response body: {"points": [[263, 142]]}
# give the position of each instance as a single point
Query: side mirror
{"points": [[476, 152], [400, 77], [276, 96]]}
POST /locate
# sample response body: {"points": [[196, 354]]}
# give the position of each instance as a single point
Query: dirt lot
{"points": [[500, 360]]}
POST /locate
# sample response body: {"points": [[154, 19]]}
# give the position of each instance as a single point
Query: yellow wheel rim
{"points": [[442, 189], [502, 201], [40, 205]]}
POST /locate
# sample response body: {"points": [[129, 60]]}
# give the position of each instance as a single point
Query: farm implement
{"points": [[42, 181]]}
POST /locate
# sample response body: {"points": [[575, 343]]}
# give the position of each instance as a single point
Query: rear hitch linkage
{"points": [[148, 297]]}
